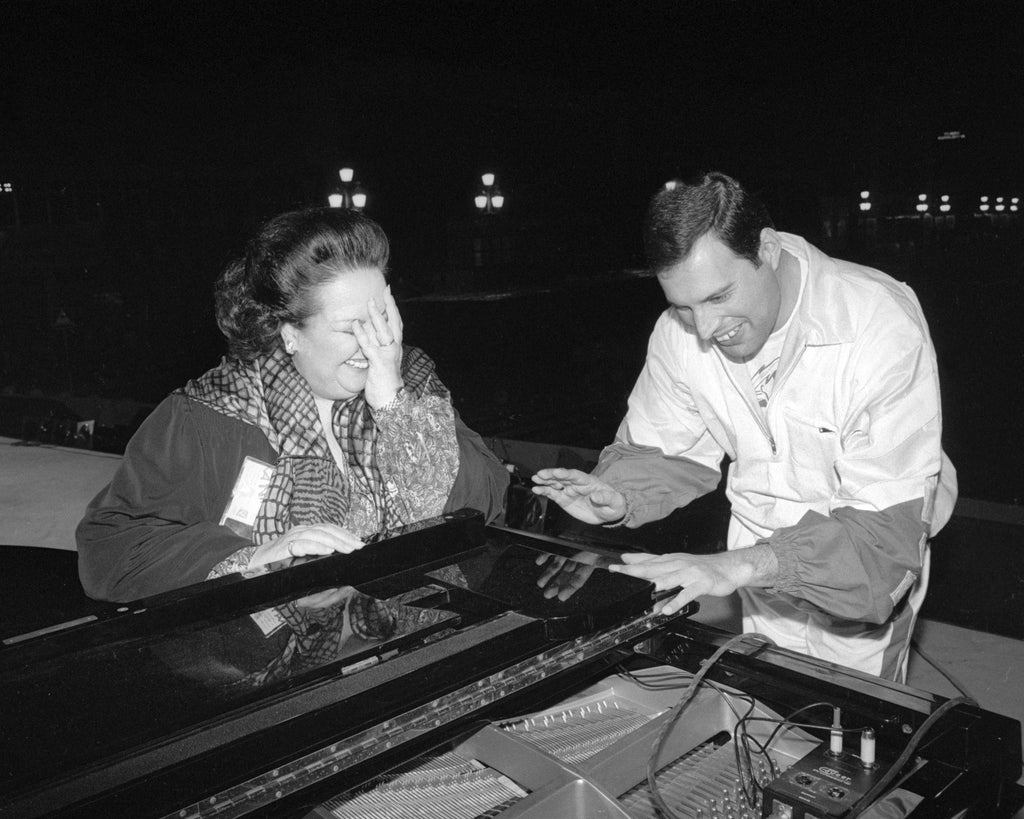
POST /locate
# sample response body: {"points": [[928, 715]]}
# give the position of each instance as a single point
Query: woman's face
{"points": [[324, 349]]}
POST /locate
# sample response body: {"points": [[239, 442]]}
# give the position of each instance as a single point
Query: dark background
{"points": [[146, 140]]}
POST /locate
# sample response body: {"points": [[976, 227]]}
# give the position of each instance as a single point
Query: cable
{"points": [[727, 696], [742, 738], [741, 752], [677, 710], [897, 766], [785, 724]]}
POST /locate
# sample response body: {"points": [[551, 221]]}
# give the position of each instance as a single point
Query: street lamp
{"points": [[349, 194], [7, 190], [490, 200]]}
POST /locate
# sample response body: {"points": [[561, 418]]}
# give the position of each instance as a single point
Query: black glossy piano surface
{"points": [[454, 669], [206, 685]]}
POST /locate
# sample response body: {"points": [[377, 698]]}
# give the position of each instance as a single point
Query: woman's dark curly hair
{"points": [[276, 279]]}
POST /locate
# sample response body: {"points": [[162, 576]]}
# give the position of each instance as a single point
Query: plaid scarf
{"points": [[307, 485]]}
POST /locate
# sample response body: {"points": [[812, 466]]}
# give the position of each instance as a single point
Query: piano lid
{"points": [[173, 665]]}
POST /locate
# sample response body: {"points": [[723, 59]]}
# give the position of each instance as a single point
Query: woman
{"points": [[319, 429]]}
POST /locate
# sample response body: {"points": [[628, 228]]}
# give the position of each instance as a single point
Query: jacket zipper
{"points": [[755, 410], [762, 417]]}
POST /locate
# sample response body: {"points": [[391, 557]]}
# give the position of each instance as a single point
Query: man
{"points": [[817, 378]]}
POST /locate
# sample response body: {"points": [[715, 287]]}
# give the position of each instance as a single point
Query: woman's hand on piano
{"points": [[299, 541], [583, 496]]}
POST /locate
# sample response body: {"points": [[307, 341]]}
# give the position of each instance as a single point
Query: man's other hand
{"points": [[583, 496]]}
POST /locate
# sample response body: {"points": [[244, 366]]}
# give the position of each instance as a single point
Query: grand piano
{"points": [[458, 669]]}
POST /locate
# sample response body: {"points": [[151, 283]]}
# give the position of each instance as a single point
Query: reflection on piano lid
{"points": [[315, 667]]}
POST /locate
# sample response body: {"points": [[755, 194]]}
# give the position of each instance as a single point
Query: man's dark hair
{"points": [[678, 216]]}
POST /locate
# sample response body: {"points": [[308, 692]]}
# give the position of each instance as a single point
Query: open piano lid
{"points": [[318, 665]]}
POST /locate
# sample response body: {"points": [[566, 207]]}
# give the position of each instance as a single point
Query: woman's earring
{"points": [[289, 348]]}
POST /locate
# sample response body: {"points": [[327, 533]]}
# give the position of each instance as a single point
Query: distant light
{"points": [[1015, 200], [922, 208], [670, 185], [952, 135], [1013, 208], [336, 200], [481, 201], [984, 199], [944, 207], [488, 179], [359, 200], [999, 199], [7, 187], [983, 208], [944, 197], [346, 174], [865, 194], [865, 206], [922, 197], [498, 200], [1000, 208]]}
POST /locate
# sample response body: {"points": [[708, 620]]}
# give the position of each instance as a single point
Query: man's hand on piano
{"points": [[314, 539], [717, 575], [583, 496]]}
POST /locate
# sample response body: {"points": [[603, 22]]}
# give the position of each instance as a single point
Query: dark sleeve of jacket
{"points": [[482, 479], [155, 527]]}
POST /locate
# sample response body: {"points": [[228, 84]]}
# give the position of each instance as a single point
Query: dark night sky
{"points": [[570, 102], [582, 108]]}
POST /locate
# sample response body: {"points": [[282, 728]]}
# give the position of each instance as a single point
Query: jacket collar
{"points": [[823, 315]]}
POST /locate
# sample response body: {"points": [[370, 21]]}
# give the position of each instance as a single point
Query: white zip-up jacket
{"points": [[842, 474]]}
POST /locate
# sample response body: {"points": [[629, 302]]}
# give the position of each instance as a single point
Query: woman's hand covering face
{"points": [[380, 340]]}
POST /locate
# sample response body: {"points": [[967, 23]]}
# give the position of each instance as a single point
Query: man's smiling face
{"points": [[723, 298]]}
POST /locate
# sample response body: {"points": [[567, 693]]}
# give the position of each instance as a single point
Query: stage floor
{"points": [[44, 491]]}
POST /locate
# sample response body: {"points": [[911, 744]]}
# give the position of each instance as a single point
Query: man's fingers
{"points": [[559, 475], [645, 571], [637, 557], [668, 607]]}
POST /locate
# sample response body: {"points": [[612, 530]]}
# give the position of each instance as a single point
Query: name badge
{"points": [[268, 620], [247, 496]]}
